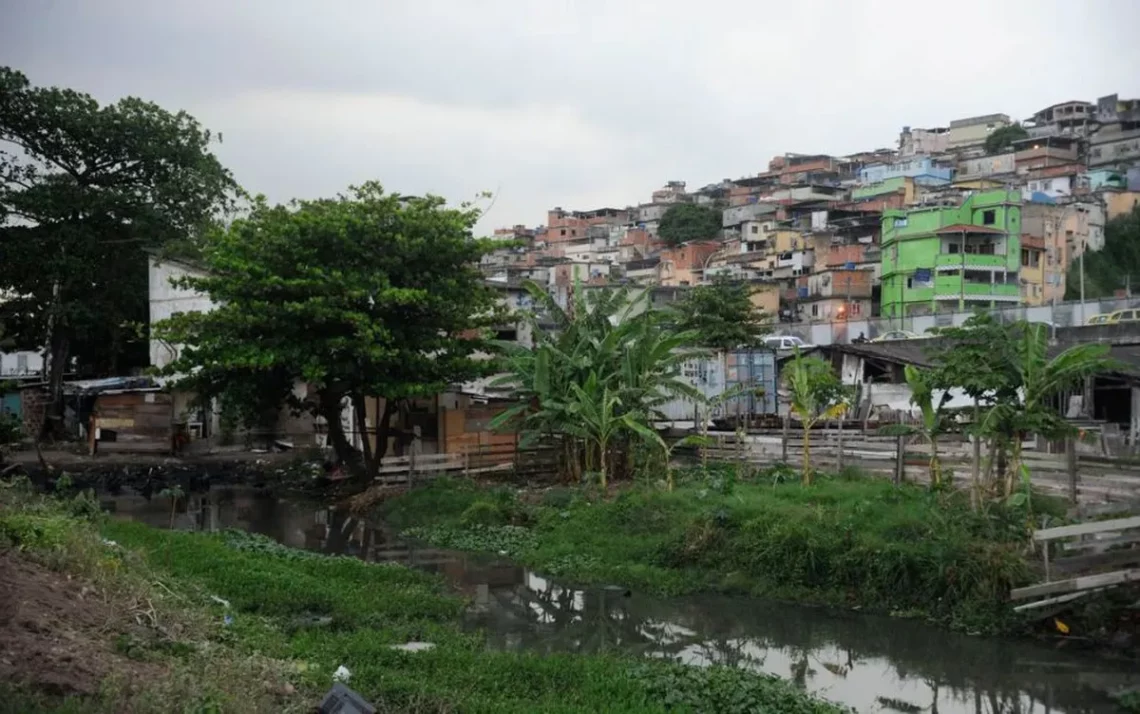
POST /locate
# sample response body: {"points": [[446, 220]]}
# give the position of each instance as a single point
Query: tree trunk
{"points": [[807, 456], [346, 453], [365, 444], [53, 414], [384, 429], [602, 465], [935, 464]]}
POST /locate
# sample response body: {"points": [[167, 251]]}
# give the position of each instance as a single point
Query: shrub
{"points": [[483, 513]]}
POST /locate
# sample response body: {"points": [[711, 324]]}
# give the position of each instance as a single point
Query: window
{"points": [[562, 232], [1024, 258], [755, 229], [989, 217], [21, 363], [909, 283], [953, 248], [815, 310]]}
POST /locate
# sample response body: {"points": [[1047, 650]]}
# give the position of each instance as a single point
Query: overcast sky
{"points": [[574, 103]]}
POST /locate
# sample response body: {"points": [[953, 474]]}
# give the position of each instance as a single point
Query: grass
{"points": [[297, 617], [848, 541]]}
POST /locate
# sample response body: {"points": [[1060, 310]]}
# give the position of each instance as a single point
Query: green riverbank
{"points": [[856, 542], [238, 623]]}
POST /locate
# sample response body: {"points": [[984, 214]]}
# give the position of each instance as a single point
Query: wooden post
{"points": [[1071, 463], [784, 439], [900, 462], [411, 468], [1045, 547]]}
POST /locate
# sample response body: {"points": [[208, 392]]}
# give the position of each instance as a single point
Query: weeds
{"points": [[846, 540]]}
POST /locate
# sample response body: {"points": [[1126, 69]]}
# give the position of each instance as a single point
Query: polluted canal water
{"points": [[867, 662]]}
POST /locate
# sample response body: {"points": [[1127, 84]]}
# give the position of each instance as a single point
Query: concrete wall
{"points": [[21, 363], [974, 130], [998, 165], [166, 300], [917, 166]]}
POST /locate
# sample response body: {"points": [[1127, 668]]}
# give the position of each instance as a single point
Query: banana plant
{"points": [[922, 385], [816, 395]]}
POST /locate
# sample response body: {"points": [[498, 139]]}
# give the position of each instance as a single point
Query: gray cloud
{"points": [[561, 102]]}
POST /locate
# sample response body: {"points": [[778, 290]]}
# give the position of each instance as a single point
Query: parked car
{"points": [[1129, 315], [1101, 319], [785, 342], [895, 335]]}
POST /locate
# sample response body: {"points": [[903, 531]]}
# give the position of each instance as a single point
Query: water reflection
{"points": [[867, 662]]}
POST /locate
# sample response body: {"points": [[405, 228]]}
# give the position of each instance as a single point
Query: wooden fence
{"points": [[1085, 557], [1078, 477], [482, 460]]}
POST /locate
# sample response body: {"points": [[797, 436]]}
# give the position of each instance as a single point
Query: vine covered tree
{"points": [[1002, 138], [85, 190], [368, 294], [721, 315], [684, 222], [1114, 267]]}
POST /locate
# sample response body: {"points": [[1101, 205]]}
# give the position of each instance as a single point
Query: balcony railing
{"points": [[970, 260]]}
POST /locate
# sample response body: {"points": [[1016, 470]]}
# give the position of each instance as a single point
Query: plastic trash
{"points": [[224, 603], [342, 674], [228, 620], [414, 646], [342, 700]]}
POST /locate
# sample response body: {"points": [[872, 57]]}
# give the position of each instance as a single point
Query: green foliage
{"points": [[1114, 267], [366, 294], [816, 394], [722, 690], [513, 541], [1007, 368], [684, 222], [593, 383], [721, 315], [1002, 138], [34, 530], [84, 191], [483, 513], [375, 606], [845, 541]]}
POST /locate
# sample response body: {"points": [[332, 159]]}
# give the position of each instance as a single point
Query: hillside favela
{"points": [[372, 358]]}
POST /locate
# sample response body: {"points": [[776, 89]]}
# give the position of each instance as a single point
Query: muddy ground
{"points": [[58, 634]]}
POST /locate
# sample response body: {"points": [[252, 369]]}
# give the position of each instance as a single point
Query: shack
{"points": [[123, 414]]}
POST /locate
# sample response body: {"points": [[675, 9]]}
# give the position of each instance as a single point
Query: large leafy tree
{"points": [[721, 315], [84, 191], [365, 294], [1114, 267], [684, 222]]}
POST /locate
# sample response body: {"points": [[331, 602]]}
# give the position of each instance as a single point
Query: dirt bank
{"points": [[58, 634]]}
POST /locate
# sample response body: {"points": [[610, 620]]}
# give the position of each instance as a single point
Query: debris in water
{"points": [[1061, 627]]}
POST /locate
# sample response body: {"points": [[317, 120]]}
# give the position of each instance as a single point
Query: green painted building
{"points": [[943, 258]]}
